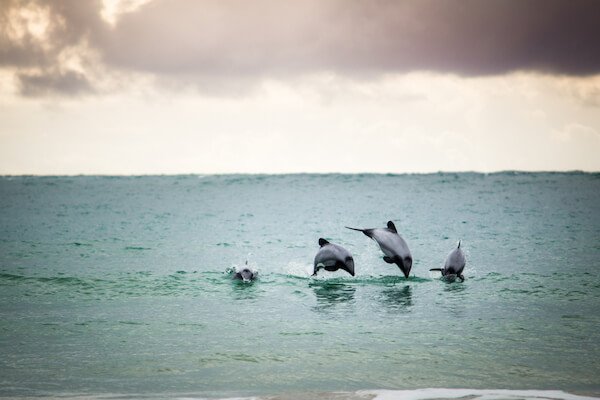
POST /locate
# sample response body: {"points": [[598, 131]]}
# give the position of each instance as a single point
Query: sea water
{"points": [[119, 287]]}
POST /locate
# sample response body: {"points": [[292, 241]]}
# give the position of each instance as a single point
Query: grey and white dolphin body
{"points": [[332, 257], [245, 274], [393, 246], [454, 265]]}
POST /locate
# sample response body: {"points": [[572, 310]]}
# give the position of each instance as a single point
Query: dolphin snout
{"points": [[405, 266], [247, 274], [450, 270]]}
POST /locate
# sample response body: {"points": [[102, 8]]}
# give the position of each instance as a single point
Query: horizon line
{"points": [[506, 171]]}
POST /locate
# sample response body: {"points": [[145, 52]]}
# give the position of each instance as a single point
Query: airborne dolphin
{"points": [[332, 257], [392, 244], [454, 265]]}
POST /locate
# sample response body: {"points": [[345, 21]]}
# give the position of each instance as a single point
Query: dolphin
{"points": [[332, 257], [454, 265], [245, 274], [392, 244]]}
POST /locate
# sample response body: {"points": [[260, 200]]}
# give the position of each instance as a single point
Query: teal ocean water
{"points": [[118, 287]]}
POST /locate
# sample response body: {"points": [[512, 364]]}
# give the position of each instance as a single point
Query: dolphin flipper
{"points": [[389, 260]]}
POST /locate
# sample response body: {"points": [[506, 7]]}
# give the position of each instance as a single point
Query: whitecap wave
{"points": [[421, 394], [471, 394]]}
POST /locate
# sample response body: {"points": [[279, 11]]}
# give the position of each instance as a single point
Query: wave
{"points": [[379, 394], [474, 394], [196, 283], [423, 394]]}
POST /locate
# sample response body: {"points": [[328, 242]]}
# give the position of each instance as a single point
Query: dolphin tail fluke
{"points": [[367, 232], [435, 269], [355, 229], [458, 245]]}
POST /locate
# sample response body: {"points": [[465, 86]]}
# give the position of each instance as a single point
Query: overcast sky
{"points": [[220, 86]]}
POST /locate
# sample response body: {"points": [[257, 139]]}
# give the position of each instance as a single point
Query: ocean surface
{"points": [[119, 287]]}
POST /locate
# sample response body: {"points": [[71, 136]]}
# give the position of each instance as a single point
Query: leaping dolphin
{"points": [[332, 257], [454, 265], [392, 244]]}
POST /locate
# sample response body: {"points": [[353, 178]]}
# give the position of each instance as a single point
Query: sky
{"points": [[271, 86]]}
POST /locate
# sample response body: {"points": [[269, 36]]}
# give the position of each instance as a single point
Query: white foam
{"points": [[417, 394], [226, 398], [500, 394], [299, 269]]}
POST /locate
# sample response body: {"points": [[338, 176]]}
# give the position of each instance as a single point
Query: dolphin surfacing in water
{"points": [[392, 244], [245, 274], [454, 265], [332, 257]]}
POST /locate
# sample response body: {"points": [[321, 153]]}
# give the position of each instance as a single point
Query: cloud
{"points": [[218, 40], [231, 37], [576, 132], [47, 44], [33, 33], [22, 30], [70, 82]]}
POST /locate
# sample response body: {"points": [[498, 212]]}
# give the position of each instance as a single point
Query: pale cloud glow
{"points": [[31, 20], [153, 87], [418, 122], [112, 10]]}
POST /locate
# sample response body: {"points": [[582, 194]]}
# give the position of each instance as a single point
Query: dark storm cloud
{"points": [[210, 39], [47, 83], [263, 37]]}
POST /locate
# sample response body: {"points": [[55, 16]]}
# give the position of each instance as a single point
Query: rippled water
{"points": [[119, 285]]}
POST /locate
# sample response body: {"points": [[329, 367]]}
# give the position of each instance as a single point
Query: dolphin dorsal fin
{"points": [[458, 247], [392, 227], [322, 242]]}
